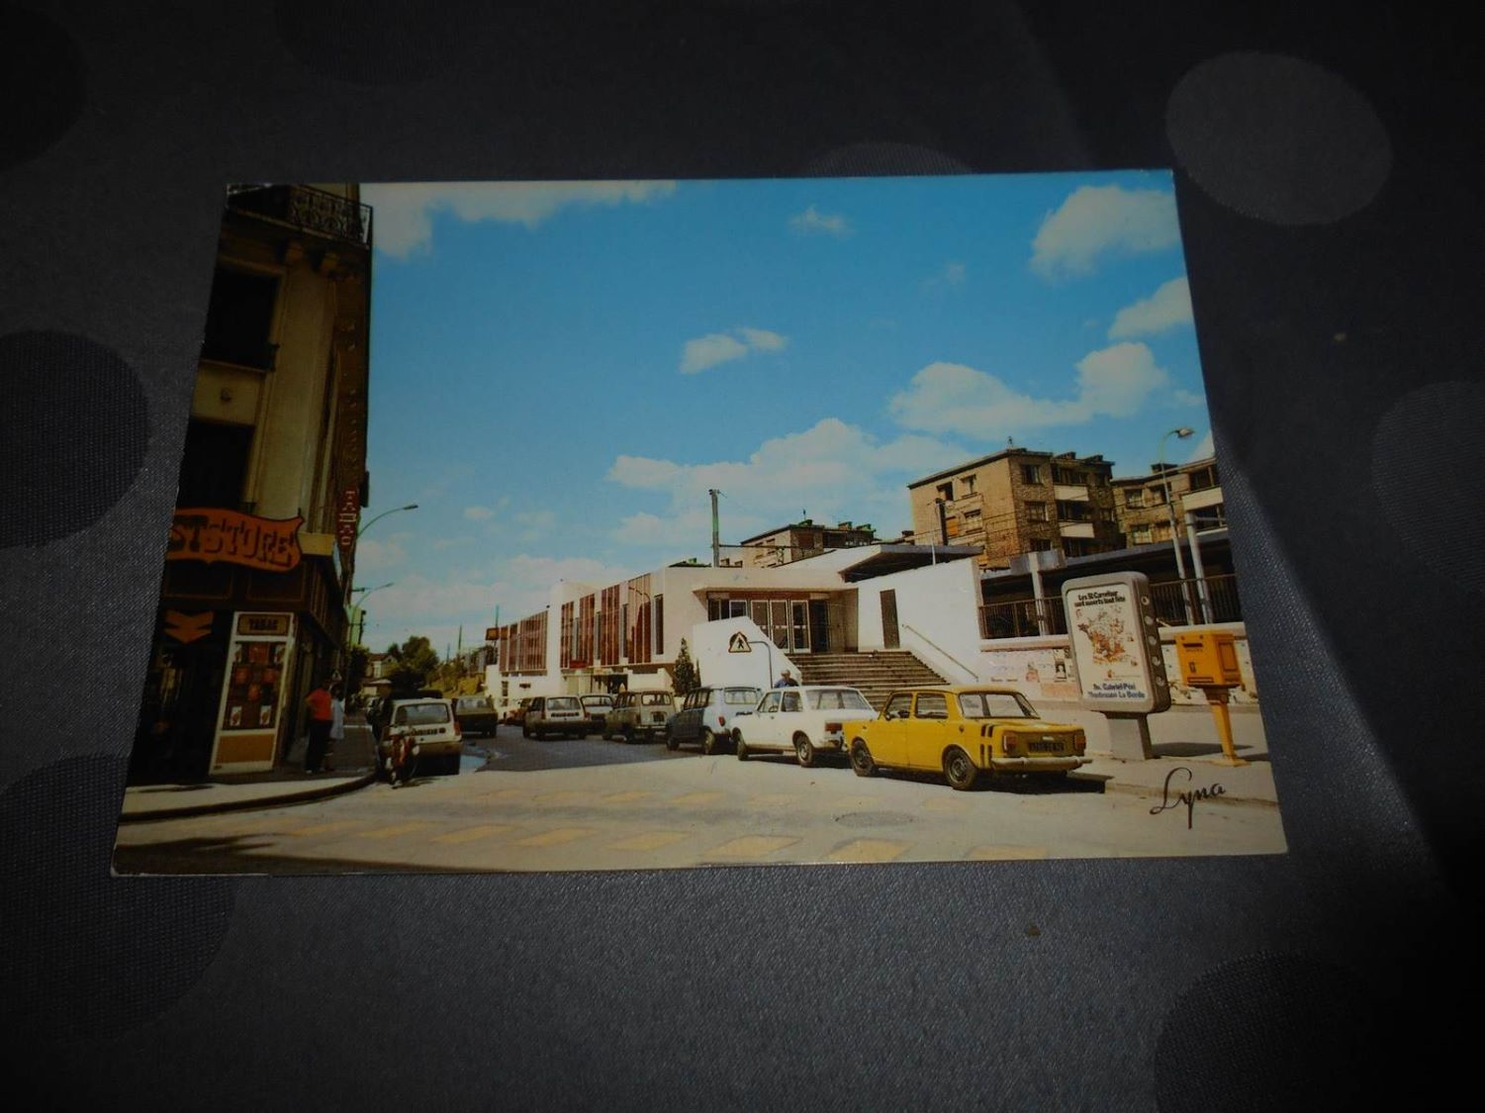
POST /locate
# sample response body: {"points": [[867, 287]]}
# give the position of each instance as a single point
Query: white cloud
{"points": [[478, 513], [1098, 220], [1166, 308], [1204, 448], [953, 398], [402, 213], [720, 347], [830, 472], [812, 222]]}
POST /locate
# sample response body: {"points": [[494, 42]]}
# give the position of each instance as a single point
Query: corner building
{"points": [[272, 482]]}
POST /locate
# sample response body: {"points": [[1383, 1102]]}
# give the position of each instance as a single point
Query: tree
{"points": [[356, 662], [415, 663], [685, 675]]}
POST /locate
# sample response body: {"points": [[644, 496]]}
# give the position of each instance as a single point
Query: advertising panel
{"points": [[1116, 644]]}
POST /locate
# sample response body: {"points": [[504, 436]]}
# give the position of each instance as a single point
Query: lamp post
{"points": [[360, 608], [383, 514], [1182, 433]]}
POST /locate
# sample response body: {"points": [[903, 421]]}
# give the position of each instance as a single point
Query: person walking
{"points": [[786, 680], [337, 724], [321, 715]]}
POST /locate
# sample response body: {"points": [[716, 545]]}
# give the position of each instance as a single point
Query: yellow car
{"points": [[962, 732]]}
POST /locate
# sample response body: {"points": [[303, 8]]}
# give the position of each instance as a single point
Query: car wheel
{"points": [[628, 734], [670, 741], [804, 750], [708, 741], [451, 765], [861, 761], [741, 744], [525, 731], [959, 771]]}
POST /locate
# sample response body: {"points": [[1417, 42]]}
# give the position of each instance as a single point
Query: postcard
{"points": [[534, 526]]}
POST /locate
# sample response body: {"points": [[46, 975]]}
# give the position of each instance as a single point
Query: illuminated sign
{"points": [[211, 534]]}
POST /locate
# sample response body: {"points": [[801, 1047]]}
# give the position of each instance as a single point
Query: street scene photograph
{"points": [[626, 525]]}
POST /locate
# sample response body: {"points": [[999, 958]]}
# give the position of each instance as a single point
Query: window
{"points": [[1135, 498], [1072, 512], [214, 467], [899, 706], [770, 703], [933, 705], [946, 491], [239, 319], [969, 483], [1036, 512], [1031, 473], [1070, 477], [1203, 478], [1041, 545], [790, 702], [1141, 535]]}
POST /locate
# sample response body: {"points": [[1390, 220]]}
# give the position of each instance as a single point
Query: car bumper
{"points": [[1037, 764]]}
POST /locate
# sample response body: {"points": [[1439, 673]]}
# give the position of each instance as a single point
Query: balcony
{"points": [[306, 209]]}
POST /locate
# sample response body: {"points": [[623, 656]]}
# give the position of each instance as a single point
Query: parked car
{"points": [[477, 715], [640, 715], [708, 716], [554, 715], [435, 733], [805, 720], [596, 706], [963, 732]]}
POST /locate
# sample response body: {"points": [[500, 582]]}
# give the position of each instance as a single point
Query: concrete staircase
{"points": [[875, 672]]}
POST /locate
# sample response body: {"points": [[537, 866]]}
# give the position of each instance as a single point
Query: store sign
{"points": [[347, 520], [211, 534]]}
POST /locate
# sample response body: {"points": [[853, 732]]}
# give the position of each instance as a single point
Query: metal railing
{"points": [[308, 209], [1171, 600]]}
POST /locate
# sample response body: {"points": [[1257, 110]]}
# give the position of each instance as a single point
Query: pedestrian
{"points": [[337, 723], [321, 715], [786, 680]]}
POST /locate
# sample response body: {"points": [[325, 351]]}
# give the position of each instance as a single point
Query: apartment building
{"points": [[252, 608], [800, 540], [1019, 501], [1146, 515]]}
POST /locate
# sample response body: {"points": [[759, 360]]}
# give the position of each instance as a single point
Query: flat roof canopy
{"points": [[899, 558]]}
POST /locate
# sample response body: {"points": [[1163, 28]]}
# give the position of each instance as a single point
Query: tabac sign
{"points": [[1116, 644], [210, 534]]}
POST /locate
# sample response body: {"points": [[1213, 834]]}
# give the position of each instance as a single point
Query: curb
{"points": [[340, 788]]}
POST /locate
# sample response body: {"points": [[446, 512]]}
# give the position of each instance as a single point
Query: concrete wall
{"points": [[937, 615]]}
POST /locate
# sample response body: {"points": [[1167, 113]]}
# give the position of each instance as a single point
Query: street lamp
{"points": [[360, 607], [1182, 433], [383, 514]]}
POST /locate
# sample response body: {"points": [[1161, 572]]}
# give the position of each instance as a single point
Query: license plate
{"points": [[1046, 746]]}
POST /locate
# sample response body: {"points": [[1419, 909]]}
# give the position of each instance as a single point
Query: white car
{"points": [[430, 722], [555, 715], [805, 720]]}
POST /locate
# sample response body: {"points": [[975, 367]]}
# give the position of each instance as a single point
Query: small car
{"points": [[435, 733], [805, 720], [963, 731], [596, 706], [708, 716], [640, 715], [554, 715], [477, 715]]}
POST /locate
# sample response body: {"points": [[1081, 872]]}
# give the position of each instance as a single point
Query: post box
{"points": [[1208, 659]]}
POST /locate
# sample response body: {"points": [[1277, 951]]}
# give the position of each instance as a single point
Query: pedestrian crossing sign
{"points": [[738, 643]]}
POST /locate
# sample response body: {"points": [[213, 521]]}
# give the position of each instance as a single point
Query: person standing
{"points": [[337, 724], [786, 680], [321, 716]]}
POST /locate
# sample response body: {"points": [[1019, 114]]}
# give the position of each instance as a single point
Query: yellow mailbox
{"points": [[1208, 659]]}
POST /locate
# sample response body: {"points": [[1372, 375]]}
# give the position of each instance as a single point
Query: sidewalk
{"points": [[355, 767]]}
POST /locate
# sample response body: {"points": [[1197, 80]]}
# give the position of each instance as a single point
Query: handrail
{"points": [[938, 648]]}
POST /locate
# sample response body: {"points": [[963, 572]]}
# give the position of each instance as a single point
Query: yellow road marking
{"points": [[777, 800], [699, 798], [626, 797], [868, 850], [753, 846], [395, 830], [556, 837], [567, 796], [326, 828], [653, 841], [469, 834]]}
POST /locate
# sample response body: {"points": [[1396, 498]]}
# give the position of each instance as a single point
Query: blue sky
{"points": [[561, 371]]}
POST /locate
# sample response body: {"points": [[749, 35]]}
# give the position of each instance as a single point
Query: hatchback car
{"points": [[639, 715], [596, 706], [708, 717], [554, 715], [806, 721], [963, 732], [477, 715], [437, 740]]}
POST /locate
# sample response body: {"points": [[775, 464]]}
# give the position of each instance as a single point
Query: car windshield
{"points": [[654, 699], [748, 696], [995, 705], [563, 703], [597, 701], [838, 699]]}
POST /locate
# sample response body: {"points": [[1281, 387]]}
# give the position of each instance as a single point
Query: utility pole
{"points": [[716, 531]]}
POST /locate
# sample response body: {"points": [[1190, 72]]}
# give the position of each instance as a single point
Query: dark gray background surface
{"points": [[1328, 179]]}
